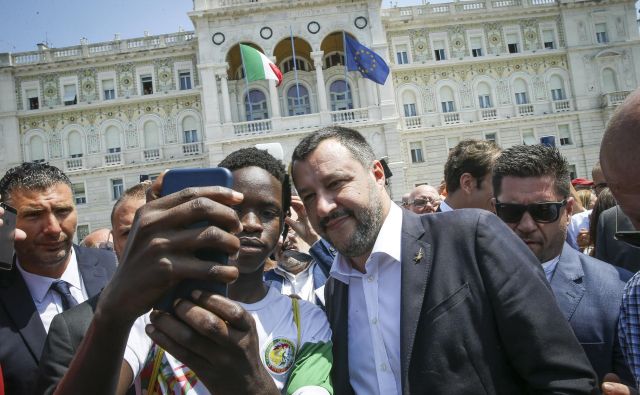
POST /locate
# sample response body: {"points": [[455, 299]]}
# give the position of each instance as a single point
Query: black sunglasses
{"points": [[545, 212], [631, 237], [424, 202]]}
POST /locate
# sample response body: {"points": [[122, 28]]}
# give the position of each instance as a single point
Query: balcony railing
{"points": [[561, 106], [614, 98], [190, 149], [523, 110], [74, 164], [487, 114], [350, 116], [261, 126], [151, 154], [114, 159], [450, 118], [412, 122]]}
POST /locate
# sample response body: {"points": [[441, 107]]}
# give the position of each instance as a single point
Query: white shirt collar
{"points": [[549, 267], [39, 285], [444, 207], [389, 242]]}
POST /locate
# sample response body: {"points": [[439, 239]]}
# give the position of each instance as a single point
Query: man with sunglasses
{"points": [[424, 199], [532, 189]]}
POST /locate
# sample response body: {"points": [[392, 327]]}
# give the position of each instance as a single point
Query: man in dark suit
{"points": [[611, 250], [464, 320], [467, 175], [533, 197], [49, 273]]}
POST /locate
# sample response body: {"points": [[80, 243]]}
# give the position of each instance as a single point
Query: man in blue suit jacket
{"points": [[531, 185], [49, 273]]}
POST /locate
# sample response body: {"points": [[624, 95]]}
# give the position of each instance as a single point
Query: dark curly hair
{"points": [[31, 176]]}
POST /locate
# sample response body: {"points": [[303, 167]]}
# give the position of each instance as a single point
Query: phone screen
{"points": [[7, 230]]}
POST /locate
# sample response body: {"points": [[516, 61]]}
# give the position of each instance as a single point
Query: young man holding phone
{"points": [[254, 346]]}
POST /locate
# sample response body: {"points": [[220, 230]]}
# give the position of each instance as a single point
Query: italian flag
{"points": [[258, 67]]}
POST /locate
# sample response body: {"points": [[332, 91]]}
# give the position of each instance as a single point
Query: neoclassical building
{"points": [[513, 71]]}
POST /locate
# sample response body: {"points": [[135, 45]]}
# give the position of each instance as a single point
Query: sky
{"points": [[63, 23]]}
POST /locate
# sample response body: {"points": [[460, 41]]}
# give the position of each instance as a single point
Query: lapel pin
{"points": [[419, 256]]}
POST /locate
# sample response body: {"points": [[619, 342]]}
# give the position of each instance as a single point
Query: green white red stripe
{"points": [[258, 67]]}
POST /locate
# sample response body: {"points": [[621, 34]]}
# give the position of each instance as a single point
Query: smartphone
{"points": [[7, 230], [176, 180]]}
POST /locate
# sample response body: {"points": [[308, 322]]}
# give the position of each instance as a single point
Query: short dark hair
{"points": [[533, 161], [351, 139], [138, 191], [248, 157], [605, 201], [31, 176], [475, 157]]}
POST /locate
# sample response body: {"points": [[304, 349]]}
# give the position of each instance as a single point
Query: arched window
{"points": [[609, 81], [557, 88], [298, 100], [255, 104], [334, 59], [151, 135], [520, 89], [74, 142], [189, 130], [340, 96], [112, 136], [36, 145], [287, 65], [409, 103], [447, 100], [484, 95]]}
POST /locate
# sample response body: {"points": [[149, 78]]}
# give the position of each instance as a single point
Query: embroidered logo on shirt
{"points": [[279, 355]]}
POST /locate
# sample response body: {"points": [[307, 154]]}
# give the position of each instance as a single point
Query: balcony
{"points": [[412, 122], [151, 154], [561, 105], [114, 159], [350, 116], [614, 98], [487, 114], [450, 118], [74, 164], [251, 128], [191, 149], [523, 110]]}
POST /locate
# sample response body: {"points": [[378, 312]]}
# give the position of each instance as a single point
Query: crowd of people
{"points": [[508, 278]]}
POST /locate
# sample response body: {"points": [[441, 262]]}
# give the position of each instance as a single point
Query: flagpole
{"points": [[295, 70], [246, 79], [346, 79]]}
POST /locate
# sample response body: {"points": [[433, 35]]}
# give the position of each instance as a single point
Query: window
{"points": [[410, 110], [108, 89], [572, 171], [565, 135], [416, 152], [438, 50], [185, 80], [520, 88], [82, 231], [447, 100], [79, 194], [401, 54], [32, 99], [256, 105], [452, 142], [557, 88], [75, 144], [601, 33], [117, 188], [484, 95], [548, 39], [334, 59], [409, 103], [491, 136], [151, 134], [300, 64], [340, 96], [189, 130], [70, 94], [147, 84], [529, 137], [609, 81], [476, 46], [298, 100], [36, 145], [112, 136], [513, 44]]}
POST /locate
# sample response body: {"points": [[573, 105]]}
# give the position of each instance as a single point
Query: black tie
{"points": [[62, 288]]}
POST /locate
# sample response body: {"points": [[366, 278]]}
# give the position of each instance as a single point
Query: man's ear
{"points": [[569, 208], [378, 172], [467, 183], [493, 204]]}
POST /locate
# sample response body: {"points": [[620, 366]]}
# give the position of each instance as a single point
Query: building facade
{"points": [[513, 71]]}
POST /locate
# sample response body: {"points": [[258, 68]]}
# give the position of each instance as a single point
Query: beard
{"points": [[368, 221]]}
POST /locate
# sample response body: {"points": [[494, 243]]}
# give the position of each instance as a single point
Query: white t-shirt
{"points": [[279, 351]]}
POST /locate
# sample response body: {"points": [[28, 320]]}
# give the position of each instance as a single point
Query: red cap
{"points": [[581, 182]]}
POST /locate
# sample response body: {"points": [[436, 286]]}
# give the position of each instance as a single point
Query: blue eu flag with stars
{"points": [[364, 60]]}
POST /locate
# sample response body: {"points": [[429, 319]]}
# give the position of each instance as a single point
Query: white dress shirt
{"points": [[374, 312], [48, 302], [578, 221], [549, 268], [300, 284], [444, 207]]}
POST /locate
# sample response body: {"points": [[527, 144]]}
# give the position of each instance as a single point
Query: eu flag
{"points": [[364, 60]]}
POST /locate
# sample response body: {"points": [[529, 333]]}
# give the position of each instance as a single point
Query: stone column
{"points": [[224, 89], [210, 100], [318, 61], [273, 94]]}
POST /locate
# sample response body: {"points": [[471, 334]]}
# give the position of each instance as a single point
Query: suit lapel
{"points": [[19, 305], [93, 275], [337, 305], [566, 284], [416, 259]]}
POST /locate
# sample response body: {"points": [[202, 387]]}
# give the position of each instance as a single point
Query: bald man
{"points": [[424, 199], [100, 238]]}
